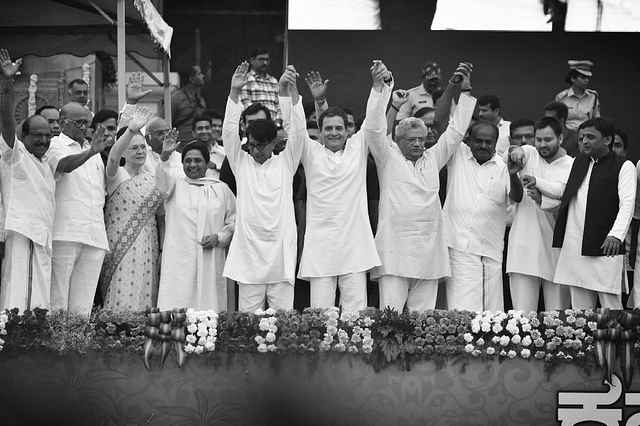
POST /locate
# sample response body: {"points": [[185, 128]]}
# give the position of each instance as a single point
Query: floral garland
{"points": [[3, 327], [202, 331], [267, 324]]}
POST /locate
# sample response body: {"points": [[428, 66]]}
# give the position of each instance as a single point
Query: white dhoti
{"points": [[475, 283], [418, 294]]}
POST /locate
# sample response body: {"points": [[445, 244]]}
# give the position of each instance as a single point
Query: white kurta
{"points": [[530, 239], [410, 224], [475, 211], [597, 273], [263, 249], [191, 276], [338, 238]]}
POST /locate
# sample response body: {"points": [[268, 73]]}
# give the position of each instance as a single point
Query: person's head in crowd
{"points": [[253, 112], [156, 129], [483, 137], [281, 140], [428, 116], [109, 120], [261, 139], [201, 128], [52, 115], [136, 153], [78, 91], [195, 158], [557, 110], [521, 132], [489, 109], [36, 135], [332, 124], [191, 76], [259, 59], [431, 75], [312, 129], [216, 123], [596, 136], [579, 75], [548, 137], [411, 137], [351, 122], [620, 143], [75, 120]]}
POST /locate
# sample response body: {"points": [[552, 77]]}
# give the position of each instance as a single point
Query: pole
{"points": [[122, 57]]}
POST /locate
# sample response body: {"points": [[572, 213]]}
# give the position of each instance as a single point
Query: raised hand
{"points": [[317, 87], [170, 141], [134, 88], [240, 76], [8, 68], [462, 75], [140, 118], [99, 142], [514, 165], [379, 72], [399, 97], [288, 80]]}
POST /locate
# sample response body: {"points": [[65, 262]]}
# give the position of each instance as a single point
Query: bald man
{"points": [[79, 236]]}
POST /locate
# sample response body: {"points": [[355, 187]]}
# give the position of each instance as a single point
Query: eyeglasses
{"points": [[431, 127], [78, 123], [527, 137], [40, 136], [262, 59]]}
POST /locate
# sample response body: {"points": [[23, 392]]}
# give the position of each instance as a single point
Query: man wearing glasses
{"points": [[79, 236], [261, 87]]}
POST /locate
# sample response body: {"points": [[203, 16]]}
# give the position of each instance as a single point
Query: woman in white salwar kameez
{"points": [[200, 218]]}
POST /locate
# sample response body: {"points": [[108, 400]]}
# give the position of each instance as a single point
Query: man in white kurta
{"points": [[410, 220], [594, 276], [28, 190], [262, 255], [79, 235], [339, 245], [480, 187], [531, 259]]}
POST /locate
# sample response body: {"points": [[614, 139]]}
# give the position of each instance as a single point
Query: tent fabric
{"points": [[50, 27]]}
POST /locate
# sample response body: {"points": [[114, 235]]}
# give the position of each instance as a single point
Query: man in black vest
{"points": [[595, 212]]}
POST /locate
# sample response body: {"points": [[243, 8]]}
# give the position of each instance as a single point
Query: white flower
{"points": [[270, 337], [525, 353], [497, 328], [526, 341], [516, 339], [495, 339], [198, 350], [503, 353], [468, 337], [191, 338], [270, 311], [490, 350], [192, 328], [475, 328], [189, 348], [486, 327], [271, 348], [262, 348], [504, 340], [511, 354], [469, 348], [480, 342], [210, 346]]}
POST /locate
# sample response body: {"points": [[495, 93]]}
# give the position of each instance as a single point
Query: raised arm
{"points": [[165, 180], [289, 95], [318, 89], [450, 140], [9, 71], [135, 92], [398, 98], [231, 124], [71, 162], [137, 122]]}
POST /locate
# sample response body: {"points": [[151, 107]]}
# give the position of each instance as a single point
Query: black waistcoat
{"points": [[602, 201]]}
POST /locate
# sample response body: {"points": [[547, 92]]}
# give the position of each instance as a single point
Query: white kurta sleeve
{"points": [[165, 180], [627, 182], [458, 125], [225, 233], [230, 134], [293, 150], [551, 189]]}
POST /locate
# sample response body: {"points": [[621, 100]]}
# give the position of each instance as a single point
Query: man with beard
{"points": [[531, 261], [480, 187], [261, 87], [421, 96], [410, 220]]}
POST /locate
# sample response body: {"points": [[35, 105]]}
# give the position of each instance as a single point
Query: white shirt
{"points": [[28, 190], [475, 211], [338, 238], [217, 155], [80, 196], [263, 249], [598, 273], [530, 239], [410, 222]]}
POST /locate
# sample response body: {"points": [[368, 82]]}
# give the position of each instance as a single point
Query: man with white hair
{"points": [[410, 220]]}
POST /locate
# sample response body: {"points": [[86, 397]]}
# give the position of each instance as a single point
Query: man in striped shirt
{"points": [[261, 86]]}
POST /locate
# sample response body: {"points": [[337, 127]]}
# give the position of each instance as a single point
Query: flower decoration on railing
{"points": [[202, 331], [168, 328], [615, 328], [267, 325], [3, 327]]}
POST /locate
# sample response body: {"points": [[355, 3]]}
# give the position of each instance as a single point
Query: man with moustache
{"points": [[52, 114], [531, 260], [480, 187], [261, 87]]}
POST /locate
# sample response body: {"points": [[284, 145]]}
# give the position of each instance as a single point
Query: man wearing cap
{"points": [[422, 96], [583, 103]]}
